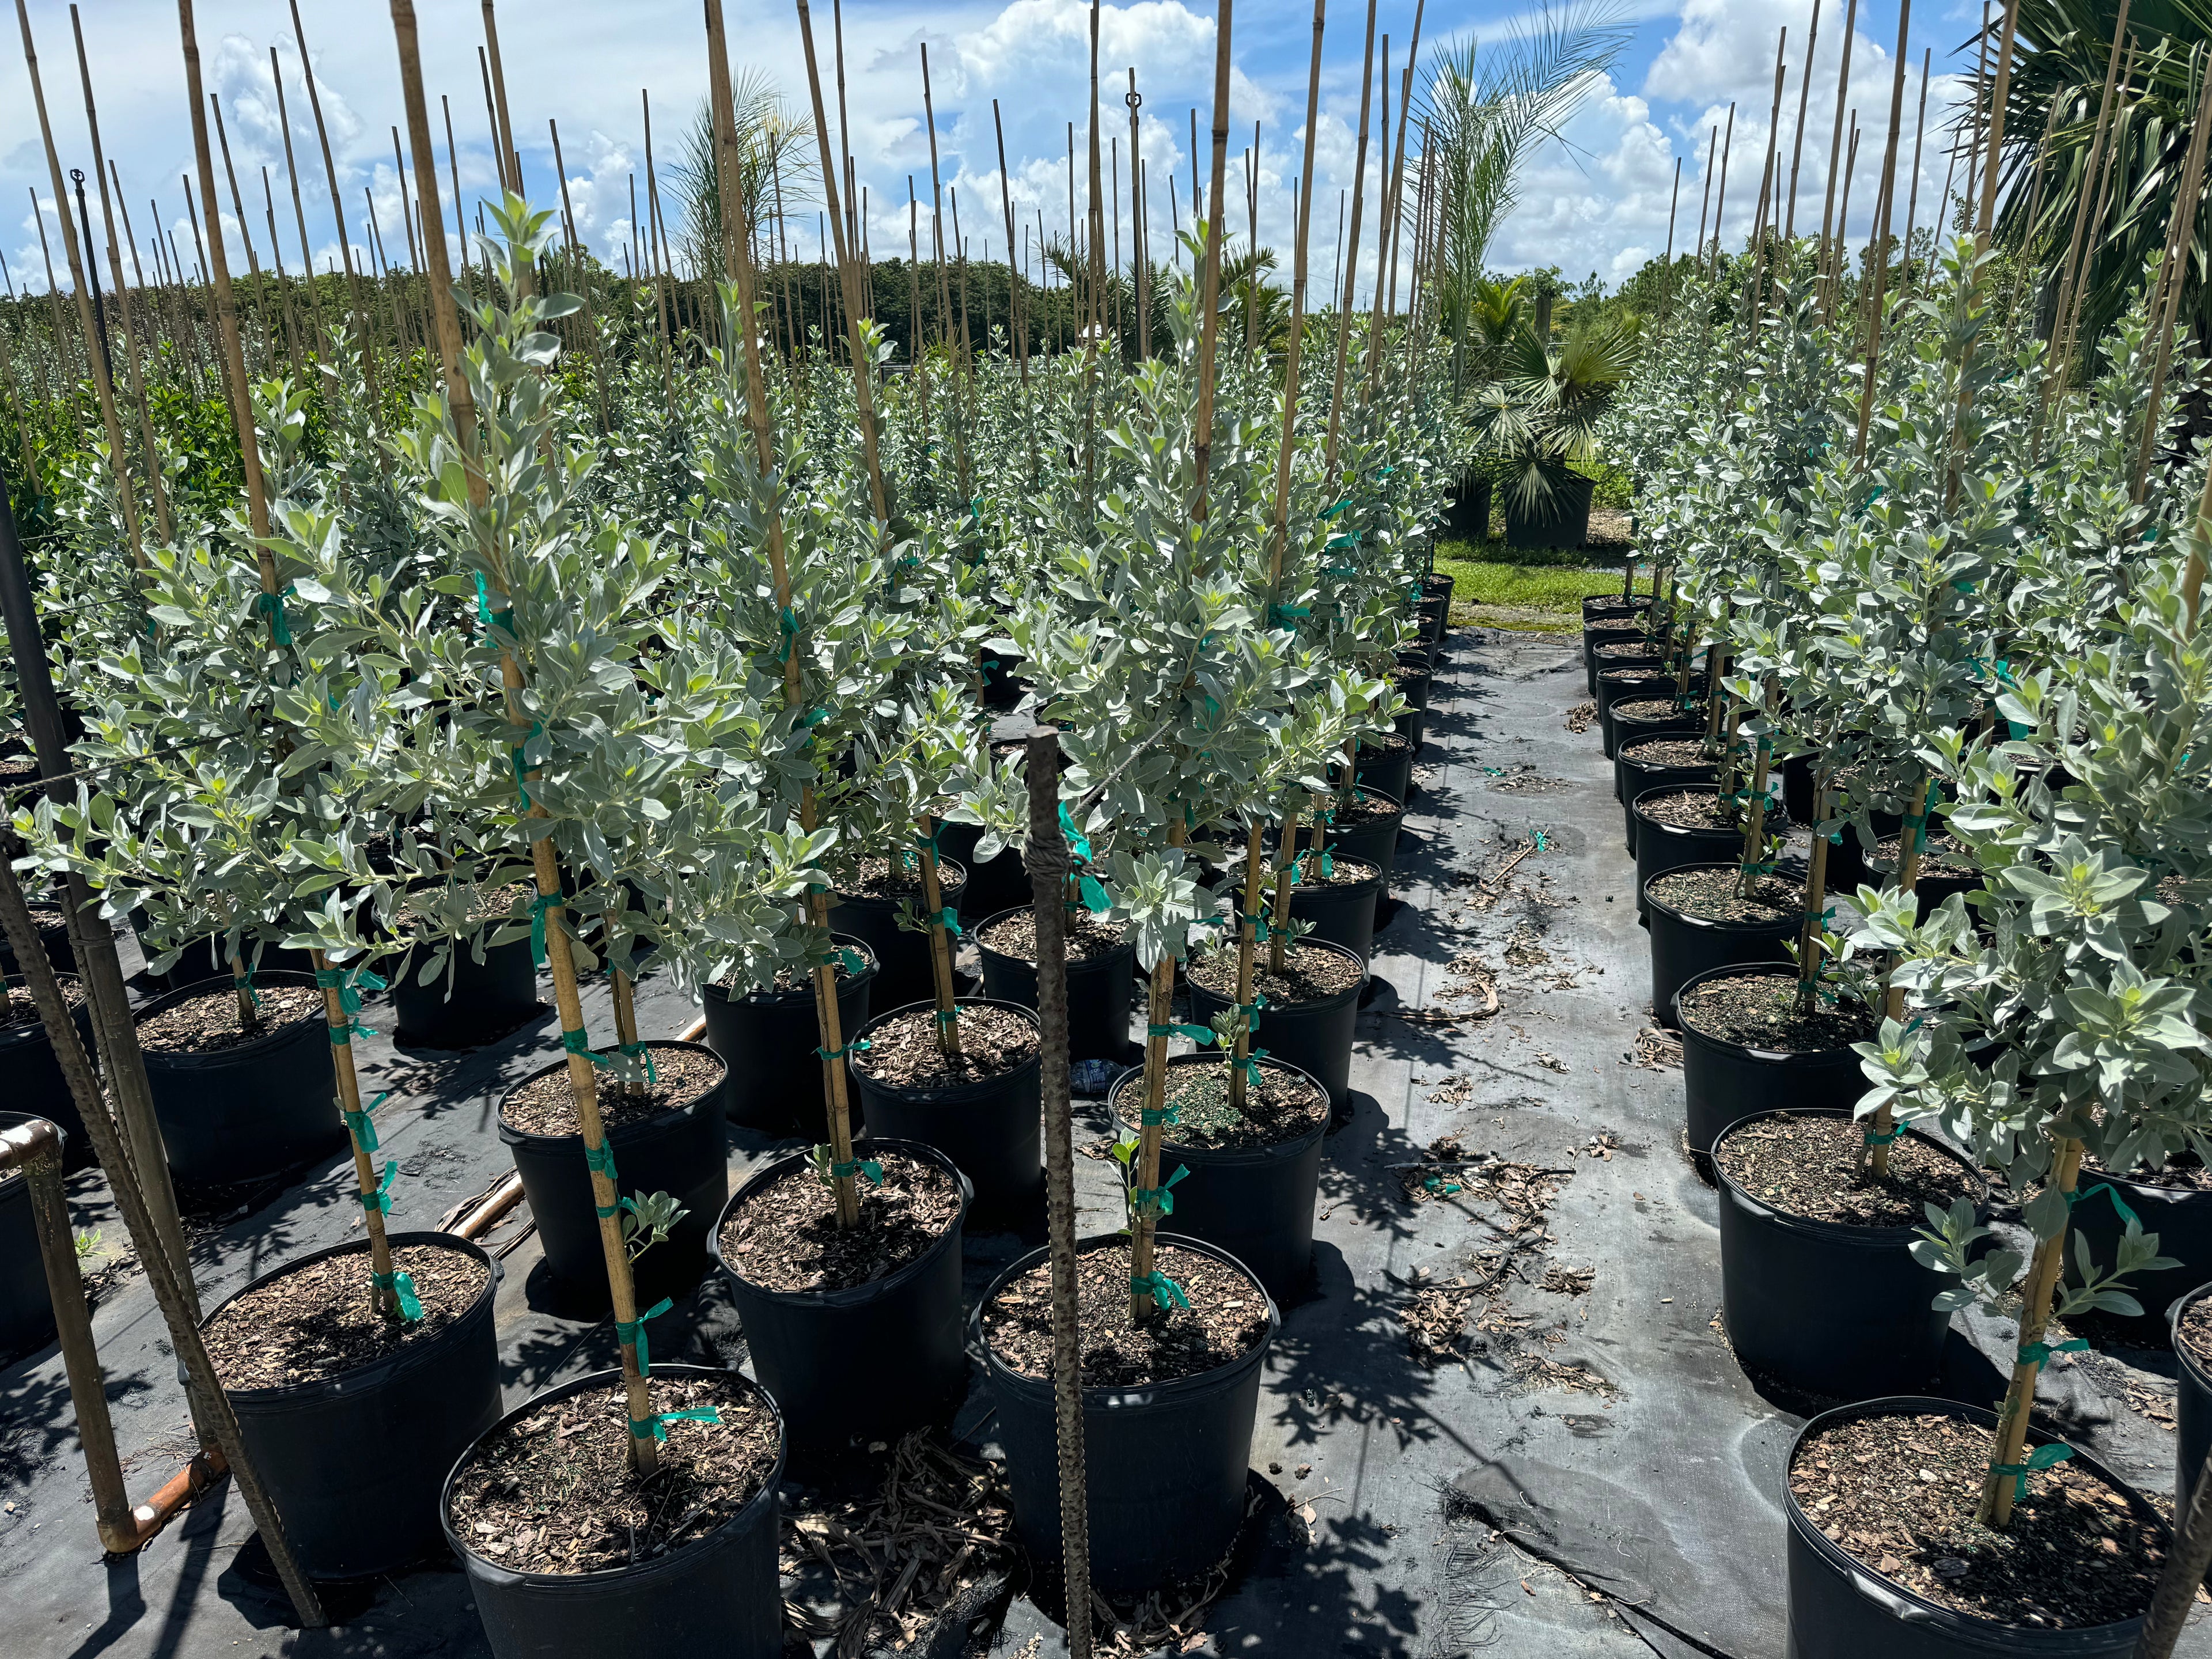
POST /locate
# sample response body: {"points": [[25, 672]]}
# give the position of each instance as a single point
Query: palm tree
{"points": [[1540, 418], [776, 168]]}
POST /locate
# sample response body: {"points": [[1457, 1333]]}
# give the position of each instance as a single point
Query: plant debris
{"points": [[1656, 1050], [1582, 716]]}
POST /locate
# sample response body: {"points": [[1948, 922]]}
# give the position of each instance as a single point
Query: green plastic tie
{"points": [[2042, 1458], [600, 1160], [402, 1286], [1821, 918], [1883, 1137], [1542, 846], [948, 1016], [502, 619], [2039, 1353], [538, 906], [514, 759], [381, 1199], [1165, 1291], [1201, 1035], [1147, 1118], [631, 1333], [1288, 616], [1156, 1201], [786, 624], [1331, 511], [858, 1046], [2106, 1186], [271, 605], [1251, 1065], [644, 1052], [579, 1041], [850, 959], [1095, 898], [1440, 1187], [342, 1037], [858, 1166], [1078, 842], [361, 1127], [657, 1425], [949, 919]]}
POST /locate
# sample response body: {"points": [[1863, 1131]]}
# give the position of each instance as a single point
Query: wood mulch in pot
{"points": [[785, 1236], [21, 1009], [1653, 708], [321, 1320], [553, 1491], [1942, 856], [1759, 1011], [1898, 1494], [1808, 1167], [1310, 974], [1286, 1105], [546, 1105], [2181, 1173], [879, 878], [1710, 894], [2194, 1332], [1362, 806], [1345, 872], [1227, 1315], [1088, 938], [795, 977], [1385, 742], [207, 1023], [902, 1053], [1698, 807], [1688, 750], [1619, 649]]}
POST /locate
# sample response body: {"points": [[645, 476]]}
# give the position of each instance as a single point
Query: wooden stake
{"points": [[1712, 151], [512, 171], [1720, 203], [345, 240], [1836, 140], [1797, 138], [1351, 276], [1210, 277], [1879, 248], [1912, 197], [1287, 451], [2179, 244]]}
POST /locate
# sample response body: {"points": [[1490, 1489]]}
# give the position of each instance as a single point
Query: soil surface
{"points": [[1385, 743], [1898, 1494], [1345, 872], [1808, 1167], [1610, 626], [791, 980], [1652, 708], [1711, 896], [546, 1105], [321, 1321], [785, 1236], [1284, 1106], [1632, 648], [2194, 1332], [207, 1023], [553, 1491], [2181, 1174], [1942, 856], [878, 879], [1759, 1011], [1088, 938], [902, 1053], [1310, 974], [1363, 806], [1685, 750], [22, 1009], [1228, 1314], [1697, 808]]}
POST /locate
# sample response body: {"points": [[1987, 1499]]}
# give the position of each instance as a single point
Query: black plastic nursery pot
{"points": [[2181, 1217], [1372, 838], [1637, 685], [902, 969], [203, 959], [1255, 1202], [354, 1463], [36, 1086], [256, 1109], [993, 885], [680, 1151], [1314, 1036], [1797, 787], [1725, 1082], [1663, 847], [1386, 767], [1412, 682], [1410, 726], [1165, 1463], [1632, 775], [811, 1349], [1628, 654], [1628, 726], [2192, 1417], [53, 933], [1842, 1607], [1823, 1307], [467, 1001], [1607, 627], [992, 1128], [1101, 990], [27, 1308], [1467, 517], [1683, 947], [1612, 604], [1561, 522], [767, 1039], [1436, 617], [1342, 911], [717, 1593]]}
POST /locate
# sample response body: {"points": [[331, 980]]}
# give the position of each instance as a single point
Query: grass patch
{"points": [[1528, 578]]}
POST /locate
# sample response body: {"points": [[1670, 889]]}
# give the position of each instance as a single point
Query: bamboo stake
{"points": [[2070, 271], [1210, 287], [1983, 220], [1912, 197], [940, 942], [345, 240], [1797, 138], [284, 282], [298, 208], [658, 252], [1720, 203], [1287, 451], [1813, 927], [513, 158], [2113, 151], [1351, 276], [1667, 265], [1712, 151], [1767, 181], [2180, 241], [1835, 141], [583, 270], [1393, 194], [1880, 252], [1141, 256], [1998, 1485], [460, 224]]}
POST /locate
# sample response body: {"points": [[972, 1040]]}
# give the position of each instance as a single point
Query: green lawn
{"points": [[1557, 582]]}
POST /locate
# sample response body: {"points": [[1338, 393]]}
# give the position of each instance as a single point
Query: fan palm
{"points": [[1541, 417]]}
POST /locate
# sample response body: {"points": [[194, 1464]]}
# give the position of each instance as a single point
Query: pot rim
{"points": [[869, 965], [1752, 929], [1620, 754], [952, 1093], [513, 1136], [850, 1295], [585, 1582], [1903, 1605], [2181, 1305], [946, 865], [1840, 1232], [1345, 891], [1152, 1394], [218, 1059], [321, 1391], [1334, 998], [1764, 1056], [1270, 1151], [29, 1034], [1092, 964]]}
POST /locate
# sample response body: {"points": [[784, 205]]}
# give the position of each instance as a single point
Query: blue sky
{"points": [[1596, 202]]}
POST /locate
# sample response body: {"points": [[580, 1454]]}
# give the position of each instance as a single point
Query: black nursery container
{"points": [[1683, 947], [1255, 1202], [1632, 775], [680, 1151], [1413, 682], [902, 969], [717, 1593], [2193, 1416], [2180, 1215], [992, 1128], [354, 1463], [251, 1111], [53, 935], [1342, 911], [805, 1343], [1627, 728], [26, 1307], [1841, 1608], [1101, 991], [1314, 1036], [468, 1002], [1166, 1464], [1725, 1082], [36, 1086], [1605, 659], [1386, 767], [768, 1040], [1663, 847], [993, 885], [1634, 685], [1374, 839]]}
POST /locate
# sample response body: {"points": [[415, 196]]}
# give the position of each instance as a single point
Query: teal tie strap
{"points": [[1330, 512], [1758, 869], [850, 959], [361, 1127], [1165, 1291], [1883, 1137], [1149, 1119], [600, 1160], [1251, 1065], [1156, 1201], [515, 759], [1201, 1035], [271, 605], [1288, 616], [839, 1054], [381, 1199], [538, 906], [933, 840], [579, 1042], [631, 1333], [349, 984], [2042, 1458], [1258, 924], [1250, 1010], [1095, 896], [1918, 822], [493, 621], [787, 622], [1078, 842], [858, 1166], [948, 1016], [402, 1287], [1542, 844], [949, 919], [2110, 1191], [656, 1426], [2039, 1353], [1821, 918], [1328, 864], [644, 1052], [1440, 1187], [342, 1037]]}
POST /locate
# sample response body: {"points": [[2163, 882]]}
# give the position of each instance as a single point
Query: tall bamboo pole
{"points": [[345, 240], [1912, 196], [1720, 202], [512, 168], [2181, 238], [1797, 138], [1880, 252], [2070, 271], [1351, 275], [1835, 141], [298, 208]]}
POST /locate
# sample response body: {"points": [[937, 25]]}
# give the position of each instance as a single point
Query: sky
{"points": [[1596, 201]]}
